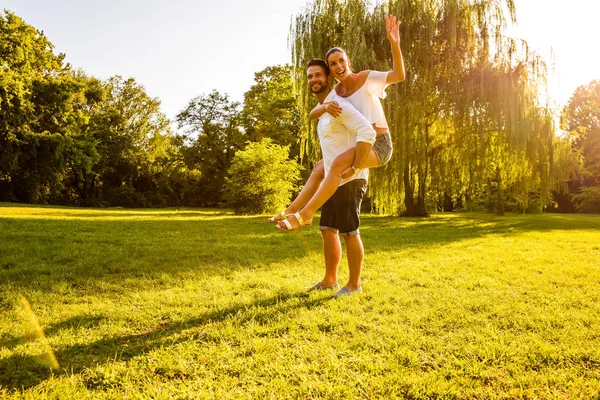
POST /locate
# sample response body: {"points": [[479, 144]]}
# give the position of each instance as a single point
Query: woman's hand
{"points": [[347, 173], [392, 26], [333, 109]]}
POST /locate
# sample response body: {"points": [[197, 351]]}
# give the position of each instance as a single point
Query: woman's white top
{"points": [[366, 98]]}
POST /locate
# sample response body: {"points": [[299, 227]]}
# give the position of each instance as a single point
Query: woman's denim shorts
{"points": [[383, 148]]}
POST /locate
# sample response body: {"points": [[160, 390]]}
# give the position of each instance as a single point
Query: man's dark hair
{"points": [[320, 63]]}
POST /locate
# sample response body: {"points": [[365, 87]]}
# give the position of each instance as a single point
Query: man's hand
{"points": [[347, 173], [333, 109]]}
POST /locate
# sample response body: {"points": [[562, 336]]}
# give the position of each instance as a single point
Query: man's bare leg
{"points": [[356, 254], [332, 250]]}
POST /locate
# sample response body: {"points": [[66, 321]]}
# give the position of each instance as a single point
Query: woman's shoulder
{"points": [[339, 89], [361, 78], [363, 75], [355, 83]]}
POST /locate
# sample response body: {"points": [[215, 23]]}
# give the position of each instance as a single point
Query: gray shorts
{"points": [[383, 148]]}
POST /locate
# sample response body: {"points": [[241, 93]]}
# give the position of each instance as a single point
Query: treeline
{"points": [[69, 138], [468, 127]]}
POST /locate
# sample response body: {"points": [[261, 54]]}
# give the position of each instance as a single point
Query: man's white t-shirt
{"points": [[337, 135]]}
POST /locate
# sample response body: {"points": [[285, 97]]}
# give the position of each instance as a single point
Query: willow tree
{"points": [[506, 138], [467, 115]]}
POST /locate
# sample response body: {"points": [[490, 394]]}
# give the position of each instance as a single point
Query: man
{"points": [[341, 213]]}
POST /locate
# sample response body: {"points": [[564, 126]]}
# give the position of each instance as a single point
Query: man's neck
{"points": [[321, 96]]}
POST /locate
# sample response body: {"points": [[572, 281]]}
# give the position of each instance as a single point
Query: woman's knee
{"points": [[339, 165], [319, 170]]}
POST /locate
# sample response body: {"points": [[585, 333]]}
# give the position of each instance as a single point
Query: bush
{"points": [[261, 178], [588, 200]]}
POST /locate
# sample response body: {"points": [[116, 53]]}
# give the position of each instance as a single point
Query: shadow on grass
{"points": [[20, 373], [9, 341], [76, 322], [41, 253], [38, 253], [392, 233]]}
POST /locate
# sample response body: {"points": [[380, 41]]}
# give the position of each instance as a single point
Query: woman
{"points": [[362, 90]]}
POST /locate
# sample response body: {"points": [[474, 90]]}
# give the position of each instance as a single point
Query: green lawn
{"points": [[194, 303]]}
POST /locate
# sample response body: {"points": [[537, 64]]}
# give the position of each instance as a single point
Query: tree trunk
{"points": [[423, 174], [92, 187], [500, 198], [421, 210], [409, 200], [500, 201], [77, 184], [412, 209]]}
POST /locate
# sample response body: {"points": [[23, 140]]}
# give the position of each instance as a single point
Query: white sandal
{"points": [[288, 224], [274, 219]]}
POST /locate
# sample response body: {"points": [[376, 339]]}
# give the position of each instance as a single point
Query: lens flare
{"points": [[36, 333]]}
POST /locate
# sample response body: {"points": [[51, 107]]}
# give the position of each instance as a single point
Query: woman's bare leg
{"points": [[331, 183], [308, 191], [310, 188]]}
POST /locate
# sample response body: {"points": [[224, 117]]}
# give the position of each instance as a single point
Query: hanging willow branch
{"points": [[467, 114]]}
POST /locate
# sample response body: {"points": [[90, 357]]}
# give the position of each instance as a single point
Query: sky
{"points": [[565, 33], [180, 49]]}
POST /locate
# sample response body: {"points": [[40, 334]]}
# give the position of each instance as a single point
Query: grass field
{"points": [[194, 303]]}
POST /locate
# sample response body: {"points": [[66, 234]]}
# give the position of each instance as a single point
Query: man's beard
{"points": [[320, 90]]}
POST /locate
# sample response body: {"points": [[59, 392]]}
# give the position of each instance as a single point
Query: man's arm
{"points": [[365, 136]]}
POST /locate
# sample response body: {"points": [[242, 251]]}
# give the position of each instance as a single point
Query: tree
{"points": [[467, 117], [587, 199], [34, 84], [212, 125], [270, 108], [581, 118], [261, 178], [131, 134], [582, 121]]}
